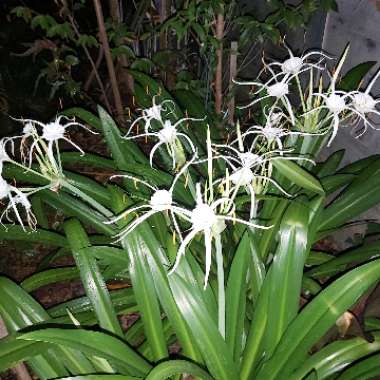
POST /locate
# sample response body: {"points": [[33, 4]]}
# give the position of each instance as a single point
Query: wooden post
{"points": [[233, 72], [219, 62], [110, 66], [164, 12]]}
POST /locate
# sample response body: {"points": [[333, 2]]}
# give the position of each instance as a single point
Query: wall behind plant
{"points": [[357, 23]]}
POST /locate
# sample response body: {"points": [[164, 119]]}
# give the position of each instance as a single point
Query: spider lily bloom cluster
{"points": [[166, 132], [322, 111], [39, 144]]}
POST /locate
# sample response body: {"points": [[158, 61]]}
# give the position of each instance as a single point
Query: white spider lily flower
{"points": [[16, 197], [272, 131], [4, 157], [336, 103], [365, 104], [54, 131], [295, 65], [170, 137], [51, 134], [279, 90], [153, 113], [161, 200], [206, 219]]}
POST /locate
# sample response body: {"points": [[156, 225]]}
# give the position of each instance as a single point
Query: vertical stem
{"points": [[93, 65], [301, 93], [109, 61], [165, 11], [219, 62], [233, 72], [125, 80], [164, 14], [221, 290]]}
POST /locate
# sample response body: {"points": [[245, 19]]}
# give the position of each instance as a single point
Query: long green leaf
{"points": [[18, 310], [74, 207], [329, 166], [13, 351], [121, 300], [204, 328], [15, 232], [368, 251], [253, 350], [169, 368], [351, 81], [93, 343], [298, 175], [365, 369], [337, 356], [91, 277], [84, 115], [124, 152], [145, 293], [362, 194], [287, 272], [49, 276], [89, 159], [142, 282], [316, 318], [158, 264], [101, 377], [236, 293]]}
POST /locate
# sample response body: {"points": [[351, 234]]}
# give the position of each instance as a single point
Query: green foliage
{"points": [[266, 334]]}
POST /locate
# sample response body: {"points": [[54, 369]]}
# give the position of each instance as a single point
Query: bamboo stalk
{"points": [[110, 66]]}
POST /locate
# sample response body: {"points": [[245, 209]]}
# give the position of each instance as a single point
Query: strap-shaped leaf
{"points": [[89, 159], [365, 369], [351, 81], [204, 328], [236, 293], [121, 299], [13, 351], [253, 350], [91, 277], [145, 293], [337, 356], [366, 252], [94, 343], [124, 152], [316, 318], [74, 207], [287, 272], [15, 232], [298, 176], [359, 165], [330, 165], [49, 276], [362, 194], [18, 310], [170, 368], [89, 187], [101, 377], [84, 115], [158, 265]]}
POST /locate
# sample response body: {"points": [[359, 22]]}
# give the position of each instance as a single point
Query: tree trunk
{"points": [[110, 66]]}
